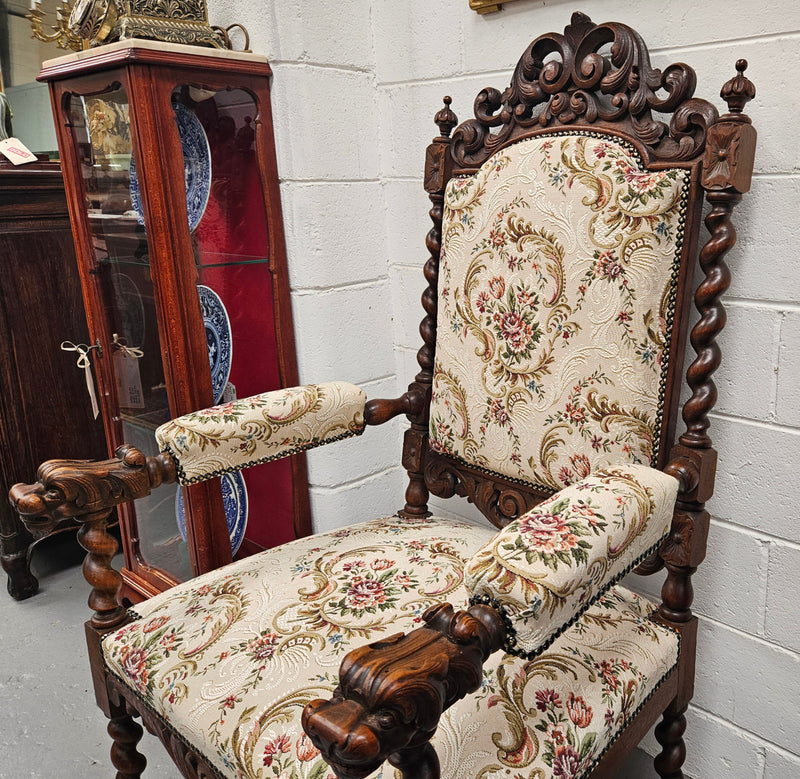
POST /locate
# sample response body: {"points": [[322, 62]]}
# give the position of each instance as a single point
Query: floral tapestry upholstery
{"points": [[557, 285], [545, 568], [232, 657], [263, 427]]}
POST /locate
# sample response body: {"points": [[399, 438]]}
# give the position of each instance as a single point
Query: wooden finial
{"points": [[445, 118], [739, 90]]}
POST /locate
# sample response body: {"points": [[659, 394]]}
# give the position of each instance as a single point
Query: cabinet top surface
{"points": [[142, 50]]}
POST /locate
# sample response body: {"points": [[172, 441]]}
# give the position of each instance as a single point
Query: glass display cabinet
{"points": [[170, 172]]}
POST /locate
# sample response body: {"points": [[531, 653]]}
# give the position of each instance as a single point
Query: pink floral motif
{"points": [[168, 640], [640, 181], [282, 744], [134, 666], [516, 332], [498, 413], [155, 624], [567, 762], [607, 265], [609, 675], [365, 594], [547, 699], [498, 239], [381, 565], [579, 712], [263, 647], [497, 286], [547, 533], [306, 750], [581, 465]]}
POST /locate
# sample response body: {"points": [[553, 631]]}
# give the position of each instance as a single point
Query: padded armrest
{"points": [[546, 568], [264, 427]]}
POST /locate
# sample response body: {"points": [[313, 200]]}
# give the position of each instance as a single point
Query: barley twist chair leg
{"points": [[129, 762], [669, 733]]}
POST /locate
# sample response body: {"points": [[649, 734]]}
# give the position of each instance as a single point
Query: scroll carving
{"points": [[392, 693], [87, 491], [619, 90], [499, 503], [75, 488]]}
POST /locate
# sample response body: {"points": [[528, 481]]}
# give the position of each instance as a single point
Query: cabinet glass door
{"points": [[102, 136], [232, 252]]}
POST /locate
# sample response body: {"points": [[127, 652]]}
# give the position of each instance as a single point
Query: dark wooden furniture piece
{"points": [[392, 692], [171, 178], [38, 261]]}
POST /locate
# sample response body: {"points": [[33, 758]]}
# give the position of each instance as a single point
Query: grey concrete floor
{"points": [[50, 727]]}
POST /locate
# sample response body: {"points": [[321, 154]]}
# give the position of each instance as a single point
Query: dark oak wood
{"points": [[420, 674], [568, 93], [430, 668], [38, 382]]}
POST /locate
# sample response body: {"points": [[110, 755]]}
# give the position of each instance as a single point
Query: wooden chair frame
{"points": [[582, 90]]}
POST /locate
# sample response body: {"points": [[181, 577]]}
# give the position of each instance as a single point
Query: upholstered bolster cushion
{"points": [[547, 567], [264, 427]]}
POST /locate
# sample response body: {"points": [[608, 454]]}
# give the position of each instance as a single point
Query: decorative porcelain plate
{"points": [[218, 338], [196, 167], [234, 498]]}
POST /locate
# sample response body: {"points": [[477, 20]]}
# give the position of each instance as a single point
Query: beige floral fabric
{"points": [[557, 286], [546, 567], [264, 427], [232, 657]]}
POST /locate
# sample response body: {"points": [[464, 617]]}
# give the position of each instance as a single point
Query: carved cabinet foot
{"points": [[21, 582]]}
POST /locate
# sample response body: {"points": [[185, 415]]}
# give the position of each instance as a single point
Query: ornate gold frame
{"points": [[488, 6]]}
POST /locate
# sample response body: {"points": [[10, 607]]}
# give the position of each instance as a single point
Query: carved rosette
{"points": [[579, 85]]}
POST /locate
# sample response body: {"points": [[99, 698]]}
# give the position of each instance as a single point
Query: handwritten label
{"points": [[16, 151]]}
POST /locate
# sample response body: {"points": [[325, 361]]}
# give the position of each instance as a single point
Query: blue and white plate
{"points": [[234, 498], [218, 338], [196, 167]]}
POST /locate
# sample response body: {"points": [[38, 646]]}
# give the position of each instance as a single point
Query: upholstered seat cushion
{"points": [[232, 657]]}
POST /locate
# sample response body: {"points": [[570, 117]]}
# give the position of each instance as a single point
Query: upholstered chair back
{"points": [[558, 280]]}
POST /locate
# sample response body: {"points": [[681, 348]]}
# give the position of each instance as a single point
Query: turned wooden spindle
{"points": [[727, 171], [437, 166]]}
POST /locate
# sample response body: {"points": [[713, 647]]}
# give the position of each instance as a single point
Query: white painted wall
{"points": [[356, 86]]}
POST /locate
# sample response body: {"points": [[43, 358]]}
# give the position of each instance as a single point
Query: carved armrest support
{"points": [[380, 410], [79, 488], [87, 491], [392, 693]]}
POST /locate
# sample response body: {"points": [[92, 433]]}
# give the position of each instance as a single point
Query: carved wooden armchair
{"points": [[566, 220]]}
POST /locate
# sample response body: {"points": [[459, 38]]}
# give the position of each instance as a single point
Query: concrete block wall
{"points": [[356, 86]]}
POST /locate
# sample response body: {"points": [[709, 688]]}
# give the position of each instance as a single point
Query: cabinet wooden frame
{"points": [[149, 73]]}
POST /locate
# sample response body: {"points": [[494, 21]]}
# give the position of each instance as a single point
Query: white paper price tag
{"points": [[16, 151], [129, 381]]}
